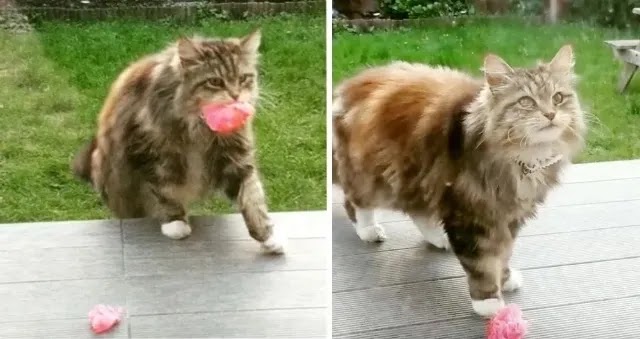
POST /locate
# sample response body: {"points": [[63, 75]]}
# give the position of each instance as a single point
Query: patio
{"points": [[216, 283], [580, 260]]}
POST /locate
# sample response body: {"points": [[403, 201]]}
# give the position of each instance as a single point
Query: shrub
{"points": [[614, 13], [403, 9]]}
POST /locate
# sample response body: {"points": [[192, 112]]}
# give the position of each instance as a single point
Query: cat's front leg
{"points": [[480, 251], [172, 216], [251, 202]]}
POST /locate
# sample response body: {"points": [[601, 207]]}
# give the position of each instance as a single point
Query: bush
{"points": [[403, 9], [613, 13], [121, 3]]}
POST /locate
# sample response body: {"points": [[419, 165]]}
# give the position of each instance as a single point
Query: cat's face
{"points": [[533, 106], [220, 71]]}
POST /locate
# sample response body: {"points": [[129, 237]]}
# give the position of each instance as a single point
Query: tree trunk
{"points": [[492, 6], [556, 9], [354, 9]]}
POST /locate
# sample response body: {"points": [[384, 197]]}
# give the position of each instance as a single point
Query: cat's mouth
{"points": [[548, 127]]}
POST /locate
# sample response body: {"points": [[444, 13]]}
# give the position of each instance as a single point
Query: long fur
{"points": [[439, 144], [153, 155]]}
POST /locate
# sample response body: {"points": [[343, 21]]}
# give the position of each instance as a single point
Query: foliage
{"points": [[612, 13], [53, 83], [614, 119], [403, 9], [122, 3]]}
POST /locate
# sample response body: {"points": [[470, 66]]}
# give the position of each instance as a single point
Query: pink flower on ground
{"points": [[508, 323], [103, 318]]}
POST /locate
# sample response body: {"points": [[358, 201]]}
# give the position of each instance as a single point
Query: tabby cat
{"points": [[469, 160], [153, 154]]}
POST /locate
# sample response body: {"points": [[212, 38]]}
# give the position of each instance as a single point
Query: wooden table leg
{"points": [[628, 71]]}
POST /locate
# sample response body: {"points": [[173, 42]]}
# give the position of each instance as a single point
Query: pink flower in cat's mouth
{"points": [[226, 118]]}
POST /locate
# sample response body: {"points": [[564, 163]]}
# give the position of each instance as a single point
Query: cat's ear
{"points": [[251, 43], [496, 70], [564, 60], [188, 52]]}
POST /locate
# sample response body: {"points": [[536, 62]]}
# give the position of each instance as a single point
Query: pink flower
{"points": [[226, 118], [507, 324], [103, 318]]}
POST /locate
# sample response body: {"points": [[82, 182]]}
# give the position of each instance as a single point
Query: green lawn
{"points": [[615, 118], [53, 83]]}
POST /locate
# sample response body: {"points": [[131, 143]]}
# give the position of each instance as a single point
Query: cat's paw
{"points": [[276, 243], [176, 229], [437, 237], [374, 233], [514, 282], [487, 307]]}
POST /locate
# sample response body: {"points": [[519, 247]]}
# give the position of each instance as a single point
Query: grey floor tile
{"points": [[52, 274], [203, 292], [606, 319], [60, 263], [421, 263], [53, 300], [273, 324], [594, 192], [465, 328], [599, 171], [231, 227], [90, 233], [58, 329], [441, 300], [175, 258], [580, 260]]}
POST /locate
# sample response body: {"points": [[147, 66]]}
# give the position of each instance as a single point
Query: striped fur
{"points": [[153, 155], [447, 149]]}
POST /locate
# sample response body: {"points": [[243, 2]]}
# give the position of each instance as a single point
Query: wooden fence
{"points": [[369, 24], [184, 13]]}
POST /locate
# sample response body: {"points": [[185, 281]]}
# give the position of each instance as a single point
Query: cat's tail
{"points": [[81, 164]]}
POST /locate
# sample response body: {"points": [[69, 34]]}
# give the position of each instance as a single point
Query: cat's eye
{"points": [[216, 82], [558, 98], [526, 102], [246, 78]]}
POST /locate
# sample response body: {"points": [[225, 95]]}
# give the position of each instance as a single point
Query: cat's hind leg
{"points": [[364, 222], [432, 230]]}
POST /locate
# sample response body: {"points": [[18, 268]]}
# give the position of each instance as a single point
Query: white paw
{"points": [[275, 243], [373, 233], [514, 282], [176, 229], [487, 307], [437, 237]]}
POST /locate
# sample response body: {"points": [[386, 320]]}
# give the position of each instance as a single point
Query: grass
{"points": [[53, 83], [615, 126]]}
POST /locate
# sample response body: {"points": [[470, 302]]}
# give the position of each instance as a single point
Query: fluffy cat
{"points": [[153, 154], [469, 160]]}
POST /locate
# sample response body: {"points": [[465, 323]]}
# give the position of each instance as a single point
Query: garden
{"points": [[459, 35], [54, 76]]}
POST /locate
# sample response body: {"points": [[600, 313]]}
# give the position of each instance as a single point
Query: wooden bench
{"points": [[629, 52]]}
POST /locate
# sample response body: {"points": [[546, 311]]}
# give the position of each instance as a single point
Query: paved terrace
{"points": [[580, 260], [216, 283]]}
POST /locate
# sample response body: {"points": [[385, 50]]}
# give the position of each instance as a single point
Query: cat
{"points": [[153, 154], [468, 159]]}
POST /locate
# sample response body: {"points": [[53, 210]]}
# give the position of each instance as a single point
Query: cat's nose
{"points": [[550, 115]]}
